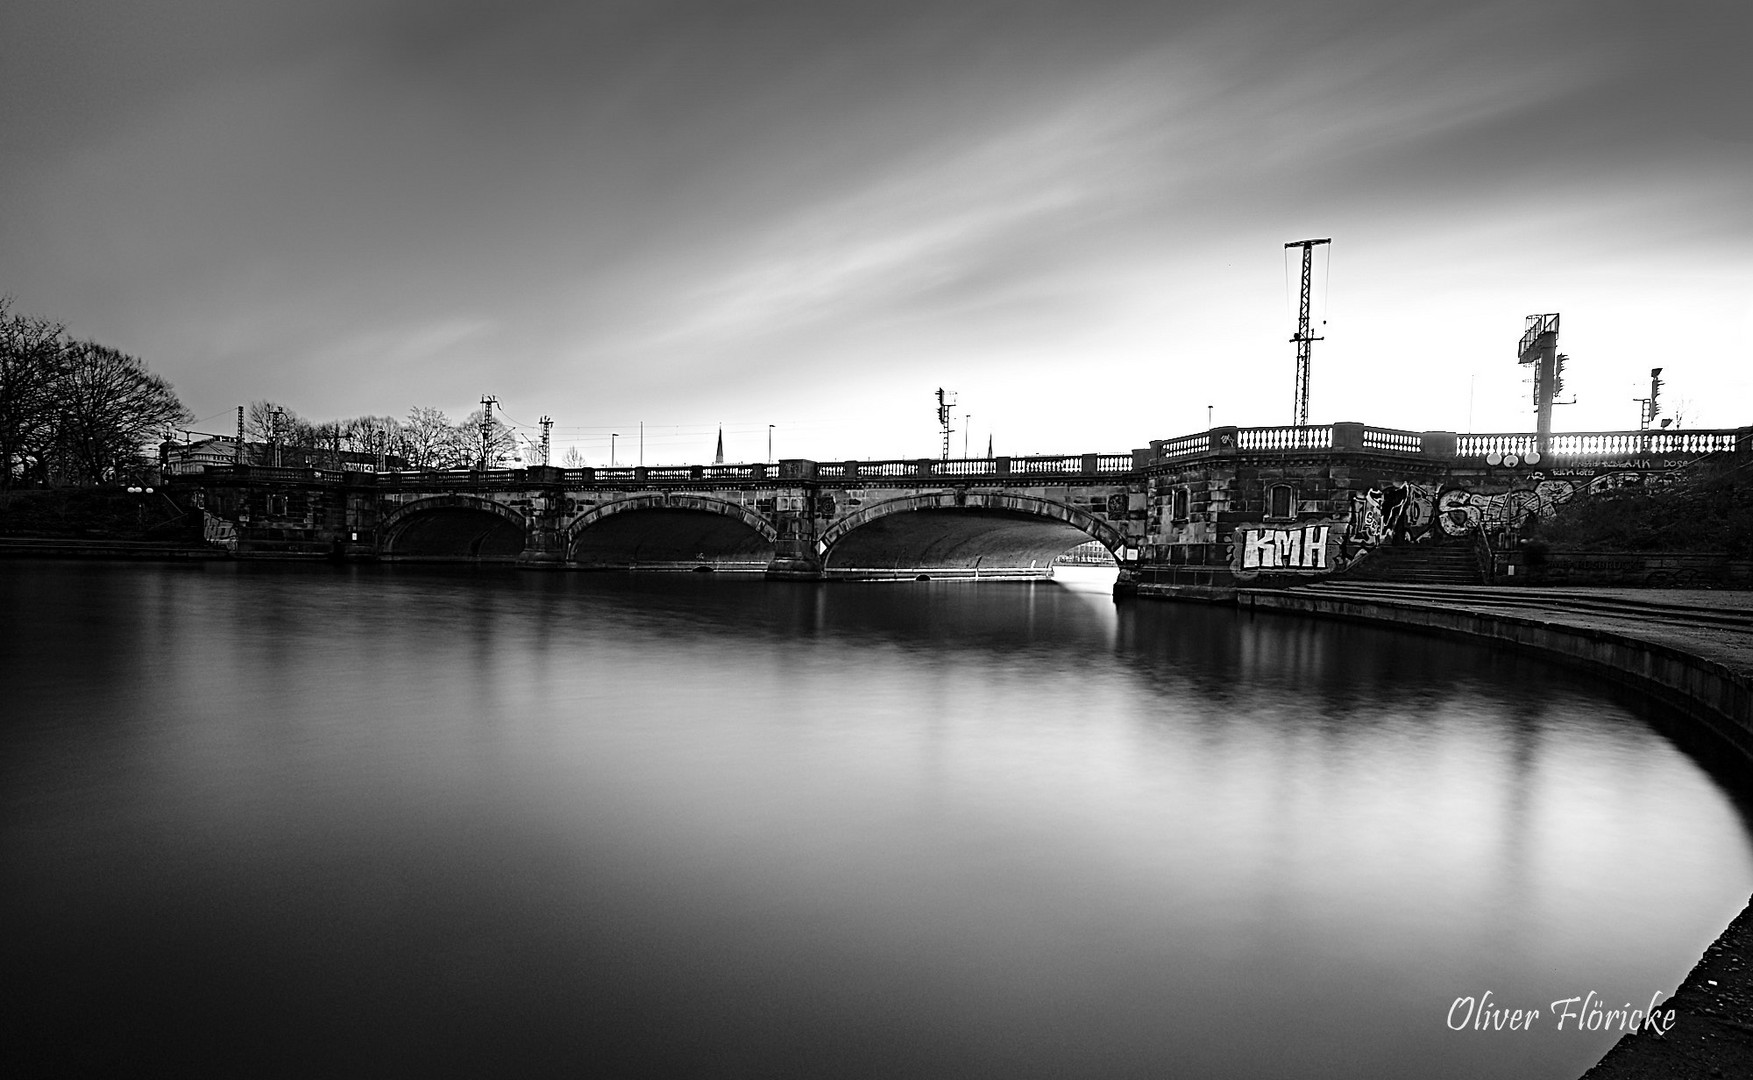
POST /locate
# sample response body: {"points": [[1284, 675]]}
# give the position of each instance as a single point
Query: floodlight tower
{"points": [[946, 401], [1304, 340], [1540, 346]]}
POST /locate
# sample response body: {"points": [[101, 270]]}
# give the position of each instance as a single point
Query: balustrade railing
{"points": [[1284, 438], [1486, 445], [734, 472], [1033, 465], [1186, 446], [1492, 447], [1601, 444], [888, 468], [1392, 441]]}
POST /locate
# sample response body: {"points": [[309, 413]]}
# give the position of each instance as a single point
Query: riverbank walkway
{"points": [[1713, 1030]]}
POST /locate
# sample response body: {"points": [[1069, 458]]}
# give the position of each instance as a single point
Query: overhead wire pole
{"points": [[1304, 340], [487, 403]]}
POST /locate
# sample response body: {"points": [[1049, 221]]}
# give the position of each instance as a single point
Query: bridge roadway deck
{"points": [[1713, 1031]]}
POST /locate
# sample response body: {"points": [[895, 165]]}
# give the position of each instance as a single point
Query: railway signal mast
{"points": [[946, 401], [1651, 407], [1304, 340]]}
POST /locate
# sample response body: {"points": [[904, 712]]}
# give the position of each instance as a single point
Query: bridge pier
{"points": [[801, 564]]}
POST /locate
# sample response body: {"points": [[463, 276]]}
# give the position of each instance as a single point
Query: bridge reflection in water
{"points": [[407, 820]]}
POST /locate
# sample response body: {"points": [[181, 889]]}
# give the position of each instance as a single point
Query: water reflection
{"points": [[438, 822]]}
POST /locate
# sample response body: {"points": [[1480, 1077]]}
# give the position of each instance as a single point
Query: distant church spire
{"points": [[989, 445], [718, 459]]}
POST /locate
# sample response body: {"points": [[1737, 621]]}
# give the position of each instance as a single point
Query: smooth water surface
{"points": [[290, 820]]}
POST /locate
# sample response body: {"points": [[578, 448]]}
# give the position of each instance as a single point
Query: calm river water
{"points": [[290, 820]]}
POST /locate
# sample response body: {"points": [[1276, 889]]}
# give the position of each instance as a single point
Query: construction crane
{"points": [[1304, 340]]}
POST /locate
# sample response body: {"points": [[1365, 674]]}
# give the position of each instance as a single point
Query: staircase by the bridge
{"points": [[1420, 564]]}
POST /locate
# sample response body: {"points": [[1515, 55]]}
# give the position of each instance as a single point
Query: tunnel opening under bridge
{"points": [[671, 538], [957, 542], [455, 532]]}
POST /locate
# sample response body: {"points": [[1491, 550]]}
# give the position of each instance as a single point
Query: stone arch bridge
{"points": [[1209, 510], [998, 517]]}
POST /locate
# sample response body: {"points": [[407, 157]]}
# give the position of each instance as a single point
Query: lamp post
{"points": [[613, 435]]}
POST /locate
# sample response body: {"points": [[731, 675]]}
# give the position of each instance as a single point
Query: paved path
{"points": [[1715, 624], [1713, 1031]]}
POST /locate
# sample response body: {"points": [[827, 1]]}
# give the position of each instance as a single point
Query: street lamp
{"points": [[769, 442], [613, 435]]}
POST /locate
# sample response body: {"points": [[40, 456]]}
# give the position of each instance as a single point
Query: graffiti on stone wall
{"points": [[1404, 512], [1392, 513], [1615, 481], [1460, 511], [1301, 549]]}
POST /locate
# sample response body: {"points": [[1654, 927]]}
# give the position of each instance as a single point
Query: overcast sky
{"points": [[813, 214]]}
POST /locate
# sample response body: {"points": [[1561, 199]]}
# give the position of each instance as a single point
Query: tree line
{"points": [[425, 439], [74, 412], [77, 413]]}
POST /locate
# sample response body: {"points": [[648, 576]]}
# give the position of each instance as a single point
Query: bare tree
{"points": [[371, 434], [293, 430], [30, 351], [109, 407], [430, 441], [499, 446]]}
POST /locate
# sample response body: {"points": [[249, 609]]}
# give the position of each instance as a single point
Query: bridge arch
{"points": [[961, 532], [454, 526], [664, 530]]}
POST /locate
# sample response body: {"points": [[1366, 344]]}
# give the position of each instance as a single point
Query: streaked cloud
{"points": [[613, 210]]}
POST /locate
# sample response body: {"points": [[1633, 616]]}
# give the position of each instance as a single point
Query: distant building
{"points": [[193, 457]]}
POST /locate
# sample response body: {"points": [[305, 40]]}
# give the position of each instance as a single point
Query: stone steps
{"points": [[1420, 564]]}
